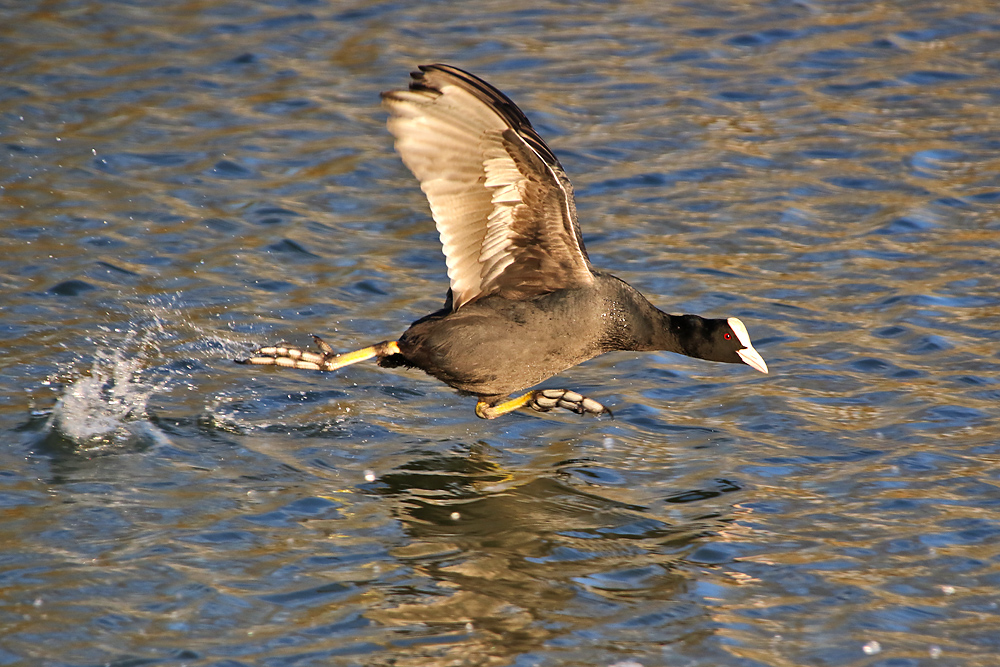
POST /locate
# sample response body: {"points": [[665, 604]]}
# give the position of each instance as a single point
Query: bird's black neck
{"points": [[670, 333], [639, 325]]}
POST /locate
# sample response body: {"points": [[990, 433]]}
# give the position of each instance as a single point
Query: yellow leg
{"points": [[486, 411], [543, 400], [326, 360]]}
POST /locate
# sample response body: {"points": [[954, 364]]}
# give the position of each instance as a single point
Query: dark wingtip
{"points": [[419, 79], [421, 70]]}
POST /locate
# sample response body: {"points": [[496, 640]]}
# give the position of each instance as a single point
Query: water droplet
{"points": [[935, 651], [369, 475], [872, 648], [948, 590], [455, 516]]}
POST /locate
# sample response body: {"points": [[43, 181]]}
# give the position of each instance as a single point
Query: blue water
{"points": [[182, 181]]}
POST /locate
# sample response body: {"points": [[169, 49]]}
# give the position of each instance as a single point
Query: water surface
{"points": [[183, 180]]}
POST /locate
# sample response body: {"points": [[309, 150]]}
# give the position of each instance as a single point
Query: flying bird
{"points": [[524, 302]]}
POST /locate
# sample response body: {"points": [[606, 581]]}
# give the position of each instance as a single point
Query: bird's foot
{"points": [[544, 400], [289, 356]]}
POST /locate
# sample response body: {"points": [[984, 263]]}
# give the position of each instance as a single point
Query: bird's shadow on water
{"points": [[526, 558]]}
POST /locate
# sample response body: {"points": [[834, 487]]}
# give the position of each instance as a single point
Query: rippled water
{"points": [[182, 180]]}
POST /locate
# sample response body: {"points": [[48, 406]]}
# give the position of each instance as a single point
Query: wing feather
{"points": [[501, 201]]}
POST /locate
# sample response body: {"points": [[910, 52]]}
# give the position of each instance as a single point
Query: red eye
{"points": [[727, 336]]}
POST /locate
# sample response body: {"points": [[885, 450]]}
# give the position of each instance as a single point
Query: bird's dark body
{"points": [[492, 347]]}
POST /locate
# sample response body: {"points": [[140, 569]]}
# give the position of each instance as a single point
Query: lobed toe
{"points": [[544, 400]]}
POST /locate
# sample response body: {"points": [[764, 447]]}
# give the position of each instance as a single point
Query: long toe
{"points": [[324, 360], [324, 347], [544, 400], [286, 355]]}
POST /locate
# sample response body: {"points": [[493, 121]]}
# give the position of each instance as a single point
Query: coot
{"points": [[525, 302]]}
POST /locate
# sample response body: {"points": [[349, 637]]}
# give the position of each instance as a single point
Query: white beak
{"points": [[749, 355], [752, 358]]}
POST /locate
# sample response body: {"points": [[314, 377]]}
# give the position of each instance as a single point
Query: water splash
{"points": [[104, 396], [99, 407], [104, 400], [106, 405]]}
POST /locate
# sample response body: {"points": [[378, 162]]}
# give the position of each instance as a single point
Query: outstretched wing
{"points": [[500, 199]]}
